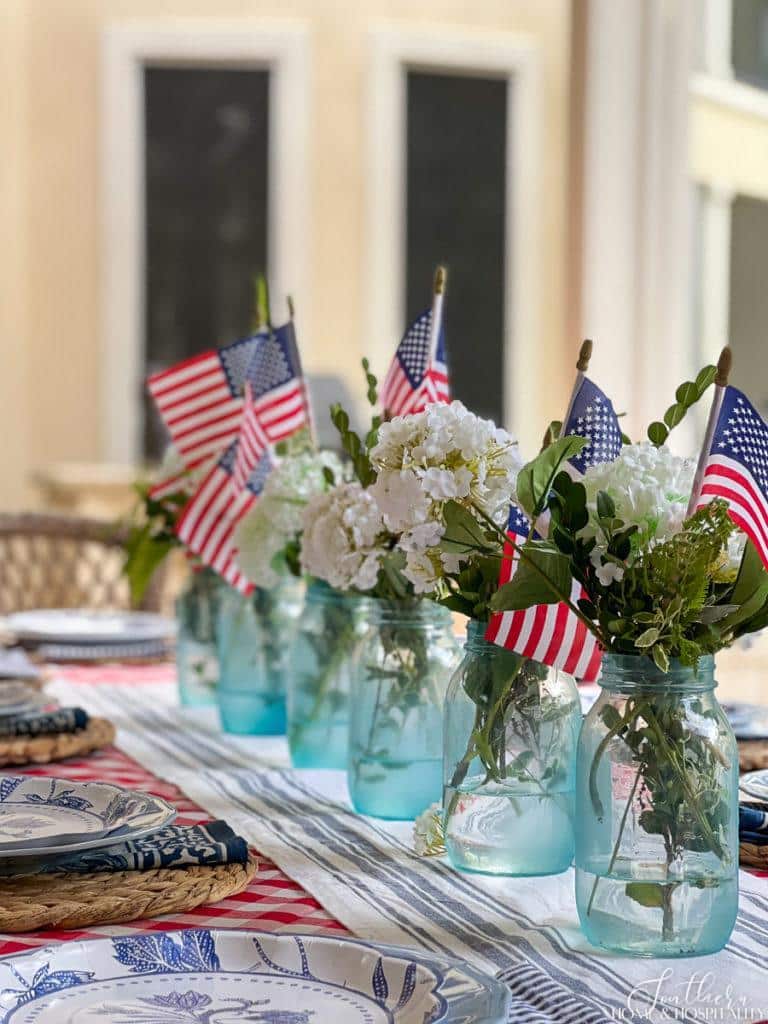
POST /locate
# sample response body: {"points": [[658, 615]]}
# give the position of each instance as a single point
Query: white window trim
{"points": [[283, 48], [736, 96], [394, 51]]}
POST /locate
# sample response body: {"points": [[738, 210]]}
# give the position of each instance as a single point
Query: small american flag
{"points": [[415, 378], [280, 397], [208, 522], [736, 469], [549, 633], [200, 399], [591, 416], [252, 442]]}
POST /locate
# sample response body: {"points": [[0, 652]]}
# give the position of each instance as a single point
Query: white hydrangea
{"points": [[425, 459], [276, 519], [650, 487], [344, 537]]}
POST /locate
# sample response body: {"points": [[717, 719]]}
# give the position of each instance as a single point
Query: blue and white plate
{"points": [[755, 785], [88, 626], [42, 815], [229, 977]]}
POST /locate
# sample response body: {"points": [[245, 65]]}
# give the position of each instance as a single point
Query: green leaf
{"points": [[675, 414], [648, 638], [542, 576], [647, 894], [606, 507], [145, 554], [657, 433], [705, 378], [750, 591], [687, 394], [660, 658], [463, 533], [535, 479]]}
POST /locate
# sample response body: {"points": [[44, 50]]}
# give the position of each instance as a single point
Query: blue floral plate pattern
{"points": [[228, 977], [43, 815]]}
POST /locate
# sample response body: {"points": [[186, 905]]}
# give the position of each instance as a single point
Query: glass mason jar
{"points": [[510, 731], [657, 809], [197, 660], [255, 634], [321, 674], [401, 671]]}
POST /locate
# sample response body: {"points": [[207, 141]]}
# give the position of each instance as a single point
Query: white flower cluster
{"points": [[427, 458], [650, 487], [276, 519], [344, 538]]}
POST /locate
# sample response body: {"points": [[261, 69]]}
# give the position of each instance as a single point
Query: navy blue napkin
{"points": [[753, 824], [177, 846], [40, 722]]}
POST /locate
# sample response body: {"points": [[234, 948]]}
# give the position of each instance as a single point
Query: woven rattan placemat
{"points": [[38, 902], [20, 750]]}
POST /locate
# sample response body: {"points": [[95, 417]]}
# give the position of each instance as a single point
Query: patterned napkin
{"points": [[41, 722], [753, 824], [178, 846]]}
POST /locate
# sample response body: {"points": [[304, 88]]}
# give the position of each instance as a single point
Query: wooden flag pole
{"points": [[304, 386], [582, 365], [262, 301], [724, 364], [438, 294]]}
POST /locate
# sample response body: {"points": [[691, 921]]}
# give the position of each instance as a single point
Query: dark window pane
{"points": [[206, 200], [749, 43], [456, 174], [749, 298]]}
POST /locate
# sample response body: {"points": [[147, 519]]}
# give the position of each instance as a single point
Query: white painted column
{"points": [[715, 270]]}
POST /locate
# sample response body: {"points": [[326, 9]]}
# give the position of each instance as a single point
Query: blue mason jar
{"points": [[401, 671], [254, 635], [657, 844], [320, 678], [197, 660], [511, 727]]}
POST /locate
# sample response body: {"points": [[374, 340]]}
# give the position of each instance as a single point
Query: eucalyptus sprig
{"points": [[356, 448], [686, 396]]}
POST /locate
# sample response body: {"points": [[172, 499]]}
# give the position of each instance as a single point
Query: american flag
{"points": [[591, 416], [549, 633], [208, 522], [200, 399], [415, 379], [736, 469], [280, 397], [252, 442]]}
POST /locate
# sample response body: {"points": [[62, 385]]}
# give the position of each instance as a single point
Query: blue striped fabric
{"points": [[366, 874]]}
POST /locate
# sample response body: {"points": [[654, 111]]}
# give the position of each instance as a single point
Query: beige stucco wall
{"points": [[50, 213]]}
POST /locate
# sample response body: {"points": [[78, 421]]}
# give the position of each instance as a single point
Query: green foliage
{"points": [[353, 446], [535, 479], [542, 576], [686, 396], [151, 538]]}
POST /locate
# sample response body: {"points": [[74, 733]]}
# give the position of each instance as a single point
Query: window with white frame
{"points": [[201, 119]]}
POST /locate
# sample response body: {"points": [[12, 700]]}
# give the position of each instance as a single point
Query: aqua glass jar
{"points": [[255, 634], [510, 731], [197, 660], [320, 679], [657, 809], [402, 668]]}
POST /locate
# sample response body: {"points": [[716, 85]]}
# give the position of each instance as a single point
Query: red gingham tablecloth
{"points": [[272, 902]]}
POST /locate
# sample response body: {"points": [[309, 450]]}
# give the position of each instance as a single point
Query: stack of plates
{"points": [[68, 634], [41, 817], [19, 697]]}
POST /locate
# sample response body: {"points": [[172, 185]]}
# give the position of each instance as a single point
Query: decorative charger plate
{"points": [[83, 626], [227, 977], [43, 815], [755, 784]]}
